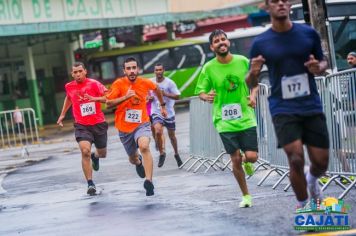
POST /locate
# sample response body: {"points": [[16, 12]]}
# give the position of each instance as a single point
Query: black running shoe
{"points": [[140, 169], [178, 160], [94, 162], [148, 185], [161, 160], [91, 190]]}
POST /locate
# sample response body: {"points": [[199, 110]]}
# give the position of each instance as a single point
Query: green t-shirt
{"points": [[231, 112]]}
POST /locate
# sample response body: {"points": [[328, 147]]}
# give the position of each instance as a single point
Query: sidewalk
{"points": [[53, 140]]}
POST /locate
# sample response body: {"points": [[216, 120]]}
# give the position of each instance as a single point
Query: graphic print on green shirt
{"points": [[231, 112]]}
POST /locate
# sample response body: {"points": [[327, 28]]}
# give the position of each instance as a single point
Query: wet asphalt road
{"points": [[49, 198]]}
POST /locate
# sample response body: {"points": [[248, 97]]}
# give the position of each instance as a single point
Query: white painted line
{"points": [[181, 61], [156, 58], [191, 79], [178, 67]]}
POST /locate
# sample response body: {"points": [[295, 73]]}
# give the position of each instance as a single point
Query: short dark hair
{"points": [[79, 63], [215, 33], [129, 59], [159, 64]]}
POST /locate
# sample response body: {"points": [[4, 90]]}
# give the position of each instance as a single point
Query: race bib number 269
{"points": [[87, 109]]}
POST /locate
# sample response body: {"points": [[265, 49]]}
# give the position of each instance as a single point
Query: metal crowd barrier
{"points": [[338, 96], [340, 110], [206, 148], [18, 135]]}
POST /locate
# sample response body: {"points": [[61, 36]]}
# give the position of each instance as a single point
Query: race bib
{"points": [[133, 116], [231, 112], [87, 109], [295, 86]]}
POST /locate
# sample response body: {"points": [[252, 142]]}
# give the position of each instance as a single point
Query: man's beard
{"points": [[222, 54], [129, 76]]}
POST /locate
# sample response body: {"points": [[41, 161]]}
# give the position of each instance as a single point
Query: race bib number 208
{"points": [[231, 112]]}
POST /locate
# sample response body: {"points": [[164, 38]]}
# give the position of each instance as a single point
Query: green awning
{"points": [[80, 25]]}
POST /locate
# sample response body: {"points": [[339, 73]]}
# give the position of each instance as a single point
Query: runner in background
{"points": [[170, 93], [149, 109], [129, 94], [84, 95]]}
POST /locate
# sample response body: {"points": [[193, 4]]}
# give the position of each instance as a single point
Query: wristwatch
{"points": [[163, 104]]}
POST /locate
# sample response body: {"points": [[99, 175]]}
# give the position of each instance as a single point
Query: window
{"points": [[242, 45], [344, 41], [189, 56], [164, 56], [107, 70]]}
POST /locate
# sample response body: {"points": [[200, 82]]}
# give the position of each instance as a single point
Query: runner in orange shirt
{"points": [[131, 119], [85, 95]]}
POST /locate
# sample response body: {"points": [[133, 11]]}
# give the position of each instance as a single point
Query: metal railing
{"points": [[18, 129], [338, 96], [206, 148]]}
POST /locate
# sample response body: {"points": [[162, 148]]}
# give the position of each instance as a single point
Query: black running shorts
{"points": [[310, 129], [96, 134], [246, 140]]}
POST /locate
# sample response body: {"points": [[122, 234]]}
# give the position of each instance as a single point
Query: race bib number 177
{"points": [[295, 86]]}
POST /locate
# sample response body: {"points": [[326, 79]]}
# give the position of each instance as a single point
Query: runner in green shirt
{"points": [[222, 82]]}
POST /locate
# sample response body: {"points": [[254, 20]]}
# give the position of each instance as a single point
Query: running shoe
{"points": [[178, 160], [161, 160], [248, 168], [91, 189], [246, 201], [140, 169], [148, 185], [324, 179], [94, 162], [346, 181]]}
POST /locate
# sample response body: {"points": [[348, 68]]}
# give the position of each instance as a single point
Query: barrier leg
{"points": [[329, 182], [287, 187], [266, 176], [190, 158], [198, 160], [215, 161], [261, 164], [203, 162], [227, 165], [280, 179], [347, 190]]}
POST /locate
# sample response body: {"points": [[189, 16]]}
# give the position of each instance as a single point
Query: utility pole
{"points": [[320, 22]]}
